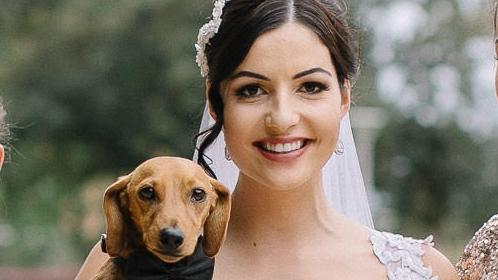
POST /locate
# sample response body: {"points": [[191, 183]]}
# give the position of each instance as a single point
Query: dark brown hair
{"points": [[243, 21]]}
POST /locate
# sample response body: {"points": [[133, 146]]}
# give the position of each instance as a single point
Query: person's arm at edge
{"points": [[440, 265], [93, 262]]}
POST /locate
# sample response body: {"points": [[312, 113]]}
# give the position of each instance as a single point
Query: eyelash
{"points": [[318, 88], [242, 91]]}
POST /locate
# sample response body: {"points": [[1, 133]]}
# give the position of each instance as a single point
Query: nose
{"points": [[282, 116], [171, 238]]}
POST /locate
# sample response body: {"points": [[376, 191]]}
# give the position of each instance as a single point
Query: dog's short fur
{"points": [[164, 194]]}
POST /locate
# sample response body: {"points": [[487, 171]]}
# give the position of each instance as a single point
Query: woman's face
{"points": [[282, 107]]}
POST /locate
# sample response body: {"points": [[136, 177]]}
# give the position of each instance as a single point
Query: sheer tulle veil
{"points": [[341, 175]]}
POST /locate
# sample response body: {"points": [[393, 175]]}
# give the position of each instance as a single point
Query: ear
{"points": [[206, 94], [216, 224], [2, 156], [345, 97], [116, 225]]}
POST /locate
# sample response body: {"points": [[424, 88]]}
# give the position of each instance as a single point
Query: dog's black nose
{"points": [[171, 238]]}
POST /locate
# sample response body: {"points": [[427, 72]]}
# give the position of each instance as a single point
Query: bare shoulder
{"points": [[441, 266]]}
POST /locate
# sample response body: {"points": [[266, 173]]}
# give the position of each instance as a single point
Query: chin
{"points": [[287, 182]]}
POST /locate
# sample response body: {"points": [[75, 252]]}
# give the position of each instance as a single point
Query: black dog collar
{"points": [[103, 244]]}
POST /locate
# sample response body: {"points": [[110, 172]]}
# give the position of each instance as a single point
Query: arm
{"points": [[441, 266], [92, 263], [479, 256]]}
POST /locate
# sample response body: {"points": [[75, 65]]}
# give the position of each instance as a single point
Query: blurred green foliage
{"points": [[93, 88], [434, 174], [436, 160]]}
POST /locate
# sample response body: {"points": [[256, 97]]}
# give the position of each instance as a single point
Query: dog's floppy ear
{"points": [[115, 242], [216, 223]]}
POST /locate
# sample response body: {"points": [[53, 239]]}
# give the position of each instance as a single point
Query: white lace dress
{"points": [[402, 256]]}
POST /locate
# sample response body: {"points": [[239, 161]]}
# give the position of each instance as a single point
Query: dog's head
{"points": [[164, 205]]}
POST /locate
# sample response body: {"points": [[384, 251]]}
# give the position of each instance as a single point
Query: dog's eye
{"points": [[198, 195], [147, 193]]}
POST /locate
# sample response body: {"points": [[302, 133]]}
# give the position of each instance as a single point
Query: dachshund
{"points": [[167, 214]]}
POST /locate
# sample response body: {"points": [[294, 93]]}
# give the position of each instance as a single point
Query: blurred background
{"points": [[93, 88]]}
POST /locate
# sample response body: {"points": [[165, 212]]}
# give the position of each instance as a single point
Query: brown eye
{"points": [[147, 193], [198, 195], [313, 87], [249, 91]]}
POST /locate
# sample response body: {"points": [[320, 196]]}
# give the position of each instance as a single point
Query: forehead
{"points": [[290, 46]]}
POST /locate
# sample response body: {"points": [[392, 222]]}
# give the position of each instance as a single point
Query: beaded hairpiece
{"points": [[206, 33]]}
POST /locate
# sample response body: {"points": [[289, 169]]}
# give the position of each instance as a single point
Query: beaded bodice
{"points": [[480, 257], [402, 256]]}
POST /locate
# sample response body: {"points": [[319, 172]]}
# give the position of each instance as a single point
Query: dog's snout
{"points": [[171, 238]]}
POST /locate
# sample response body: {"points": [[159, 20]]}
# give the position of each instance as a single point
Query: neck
{"points": [[265, 216]]}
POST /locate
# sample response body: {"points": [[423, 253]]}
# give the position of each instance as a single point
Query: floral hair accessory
{"points": [[206, 33]]}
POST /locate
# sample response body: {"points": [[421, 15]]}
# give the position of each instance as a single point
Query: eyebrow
{"points": [[249, 74], [311, 71], [297, 76]]}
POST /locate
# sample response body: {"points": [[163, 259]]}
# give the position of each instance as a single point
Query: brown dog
{"points": [[163, 206]]}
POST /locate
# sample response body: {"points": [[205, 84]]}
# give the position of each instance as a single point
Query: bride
{"points": [[278, 88]]}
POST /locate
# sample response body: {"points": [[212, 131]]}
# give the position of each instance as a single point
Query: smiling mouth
{"points": [[282, 148]]}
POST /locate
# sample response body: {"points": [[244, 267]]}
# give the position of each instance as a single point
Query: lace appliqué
{"points": [[402, 256]]}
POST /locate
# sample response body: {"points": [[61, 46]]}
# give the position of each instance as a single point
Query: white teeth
{"points": [[283, 148], [287, 147], [279, 148]]}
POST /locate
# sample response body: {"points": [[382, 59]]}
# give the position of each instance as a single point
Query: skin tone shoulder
{"points": [[282, 110]]}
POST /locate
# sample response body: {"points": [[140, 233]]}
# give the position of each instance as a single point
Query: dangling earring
{"points": [[227, 154], [339, 150]]}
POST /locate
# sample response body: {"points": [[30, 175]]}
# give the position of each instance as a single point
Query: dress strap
{"points": [[402, 256]]}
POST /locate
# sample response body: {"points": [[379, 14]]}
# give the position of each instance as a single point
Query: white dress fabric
{"points": [[402, 256]]}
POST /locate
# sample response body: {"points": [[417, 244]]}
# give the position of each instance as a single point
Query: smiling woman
{"points": [[279, 102], [285, 104], [278, 87]]}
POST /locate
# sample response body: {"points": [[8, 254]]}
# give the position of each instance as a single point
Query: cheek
{"points": [[329, 131], [239, 125], [326, 123]]}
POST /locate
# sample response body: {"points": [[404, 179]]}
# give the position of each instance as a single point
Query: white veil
{"points": [[341, 175]]}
